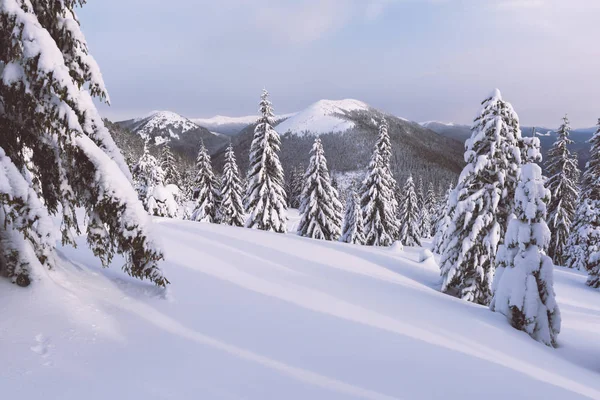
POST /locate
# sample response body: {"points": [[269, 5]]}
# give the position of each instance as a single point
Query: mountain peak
{"points": [[324, 116]]}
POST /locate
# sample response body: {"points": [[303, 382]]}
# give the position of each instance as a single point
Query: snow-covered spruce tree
{"points": [[56, 153], [523, 284], [232, 210], [583, 246], [320, 210], [169, 166], [427, 213], [353, 230], [482, 202], [409, 215], [265, 200], [148, 179], [295, 187], [563, 185], [442, 221], [378, 198], [206, 192]]}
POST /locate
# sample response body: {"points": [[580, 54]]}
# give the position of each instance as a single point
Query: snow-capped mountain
{"points": [[324, 116], [160, 126], [348, 130], [181, 133]]}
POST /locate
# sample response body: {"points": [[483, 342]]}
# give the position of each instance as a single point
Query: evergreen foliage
{"points": [[523, 284], [265, 200], [378, 201], [482, 202], [206, 190], [232, 210], [563, 185], [353, 231], [409, 215], [320, 210], [53, 136]]}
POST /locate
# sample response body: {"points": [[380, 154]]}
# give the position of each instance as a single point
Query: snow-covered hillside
{"points": [[324, 116], [169, 124], [255, 315]]}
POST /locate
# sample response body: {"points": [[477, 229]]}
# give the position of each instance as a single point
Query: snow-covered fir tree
{"points": [[427, 213], [169, 166], [353, 230], [442, 221], [320, 210], [523, 284], [265, 200], [232, 210], [148, 181], [482, 202], [563, 185], [294, 191], [583, 247], [378, 197], [409, 215], [56, 154], [147, 175], [206, 192]]}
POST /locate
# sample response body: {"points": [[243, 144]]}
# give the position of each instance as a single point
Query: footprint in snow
{"points": [[41, 346]]}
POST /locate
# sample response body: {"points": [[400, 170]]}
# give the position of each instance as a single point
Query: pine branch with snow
{"points": [[232, 210], [320, 210], [523, 284], [265, 200], [206, 190], [409, 215], [53, 134], [482, 202]]}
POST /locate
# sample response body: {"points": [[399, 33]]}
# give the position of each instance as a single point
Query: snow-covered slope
{"points": [[324, 116], [255, 315]]}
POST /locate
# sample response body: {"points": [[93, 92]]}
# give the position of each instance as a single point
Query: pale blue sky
{"points": [[419, 59]]}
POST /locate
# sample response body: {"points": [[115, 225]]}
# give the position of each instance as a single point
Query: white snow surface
{"points": [[324, 116], [219, 120], [258, 315]]}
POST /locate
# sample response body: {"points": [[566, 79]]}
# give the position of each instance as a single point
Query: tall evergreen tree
{"points": [[206, 189], [482, 202], [353, 230], [523, 284], [169, 166], [232, 210], [409, 215], [296, 180], [442, 220], [378, 200], [563, 185], [265, 200], [583, 246], [56, 154], [147, 175], [320, 210], [427, 213]]}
